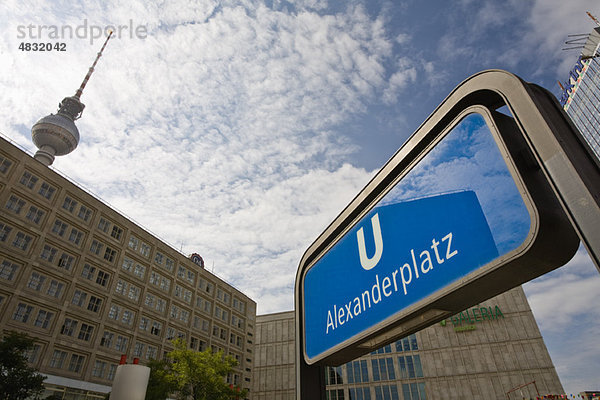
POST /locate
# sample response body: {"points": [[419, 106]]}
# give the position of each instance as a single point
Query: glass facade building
{"points": [[581, 95], [480, 353]]}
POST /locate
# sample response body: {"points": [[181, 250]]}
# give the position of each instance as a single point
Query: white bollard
{"points": [[130, 383]]}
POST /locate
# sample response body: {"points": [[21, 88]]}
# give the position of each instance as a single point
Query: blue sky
{"points": [[240, 129]]}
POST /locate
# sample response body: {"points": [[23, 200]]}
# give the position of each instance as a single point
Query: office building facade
{"points": [[581, 93], [90, 285], [484, 352]]}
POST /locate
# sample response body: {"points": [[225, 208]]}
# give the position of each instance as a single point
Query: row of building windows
{"points": [[40, 282], [382, 369], [64, 260], [72, 362], [410, 391]]}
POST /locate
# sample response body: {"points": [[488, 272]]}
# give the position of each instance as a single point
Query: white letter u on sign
{"points": [[366, 262]]}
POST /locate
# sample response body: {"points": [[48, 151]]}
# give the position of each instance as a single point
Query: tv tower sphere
{"points": [[56, 134]]}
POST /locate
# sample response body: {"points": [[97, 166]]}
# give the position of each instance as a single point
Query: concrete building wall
{"points": [[89, 284], [481, 353], [274, 373]]}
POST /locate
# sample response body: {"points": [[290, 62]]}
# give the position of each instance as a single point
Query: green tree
{"points": [[161, 382], [18, 381], [201, 375]]}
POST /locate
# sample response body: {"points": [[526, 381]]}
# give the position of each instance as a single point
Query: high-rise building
{"points": [[581, 92], [89, 285], [491, 351]]}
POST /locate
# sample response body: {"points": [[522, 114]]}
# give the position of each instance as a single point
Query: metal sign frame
{"points": [[555, 169]]}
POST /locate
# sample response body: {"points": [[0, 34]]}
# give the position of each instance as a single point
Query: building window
{"points": [[121, 344], [239, 305], [47, 191], [145, 250], [4, 165], [84, 213], [383, 369], [414, 391], [59, 227], [55, 289], [94, 304], [127, 264], [387, 392], [138, 349], [158, 258], [48, 253], [28, 180], [128, 316], [33, 353], [205, 285], [169, 264], [85, 333], [134, 293], [36, 281], [58, 359], [75, 236], [103, 225], [68, 327], [410, 367], [4, 232], [88, 271], [8, 270], [151, 352], [357, 371], [112, 371], [43, 319], [116, 232], [69, 204], [109, 254], [96, 247], [204, 305], [134, 243], [99, 369], [156, 328], [22, 312], [79, 298], [184, 316], [102, 278], [139, 271], [22, 241], [335, 394], [409, 343], [360, 393], [223, 296], [66, 261], [334, 376], [34, 214], [144, 323], [107, 339], [114, 311], [76, 363], [15, 204]]}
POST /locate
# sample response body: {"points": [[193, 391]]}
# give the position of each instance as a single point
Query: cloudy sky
{"points": [[240, 129]]}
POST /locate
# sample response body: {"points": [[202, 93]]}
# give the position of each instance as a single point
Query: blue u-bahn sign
{"points": [[465, 210], [395, 256]]}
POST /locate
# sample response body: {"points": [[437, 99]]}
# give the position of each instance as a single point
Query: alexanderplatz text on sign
{"points": [[494, 189]]}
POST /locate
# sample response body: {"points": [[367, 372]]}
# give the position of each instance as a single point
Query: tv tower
{"points": [[56, 134]]}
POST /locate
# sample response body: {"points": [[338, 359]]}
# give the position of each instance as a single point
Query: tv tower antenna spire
{"points": [[56, 134]]}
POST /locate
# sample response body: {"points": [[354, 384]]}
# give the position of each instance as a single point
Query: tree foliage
{"points": [[193, 375], [161, 382], [17, 380]]}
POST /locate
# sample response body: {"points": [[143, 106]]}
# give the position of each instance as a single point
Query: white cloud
{"points": [[214, 131]]}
